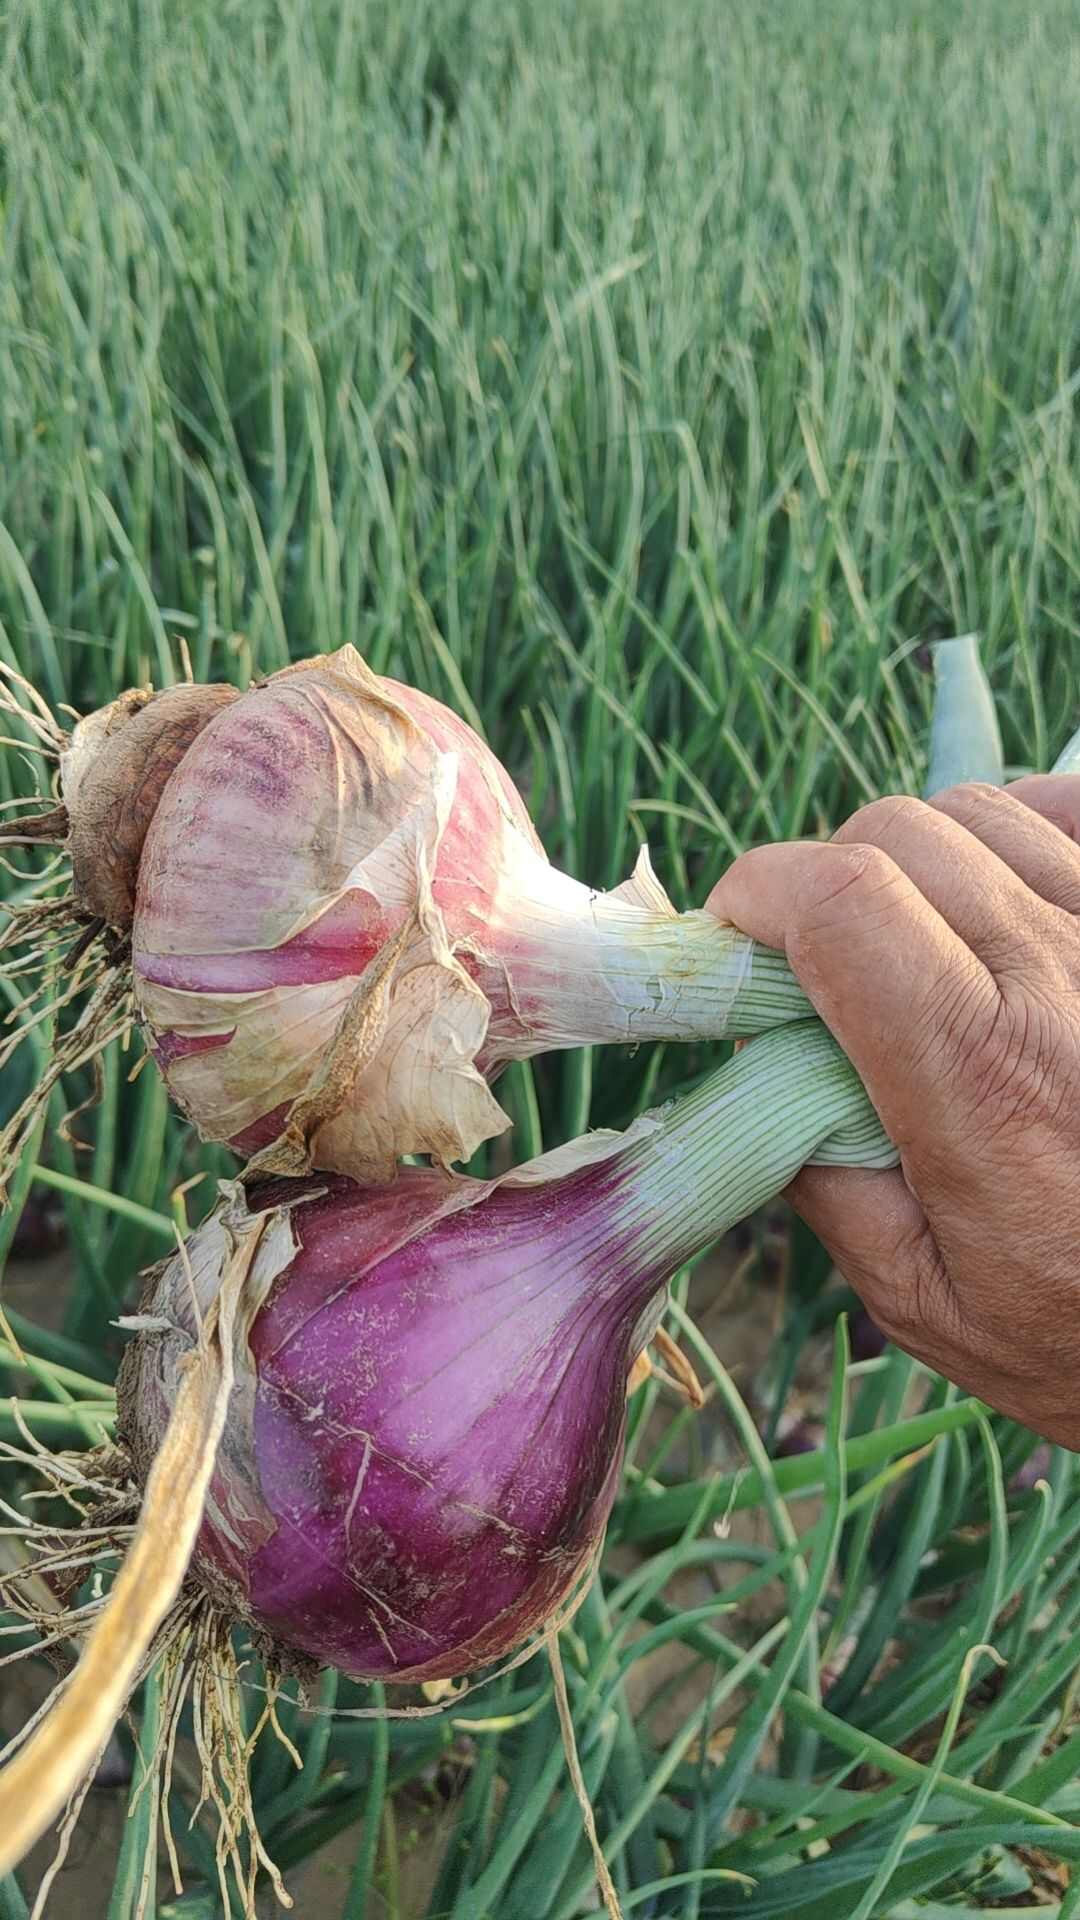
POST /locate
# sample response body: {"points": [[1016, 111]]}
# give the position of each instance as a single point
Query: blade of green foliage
{"points": [[12, 1904], [358, 1904]]}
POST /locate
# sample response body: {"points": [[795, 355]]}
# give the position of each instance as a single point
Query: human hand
{"points": [[940, 943]]}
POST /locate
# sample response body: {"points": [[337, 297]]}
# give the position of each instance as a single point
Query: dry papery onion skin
{"points": [[70, 939]]}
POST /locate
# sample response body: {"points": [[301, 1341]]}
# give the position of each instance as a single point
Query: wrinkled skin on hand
{"points": [[940, 942]]}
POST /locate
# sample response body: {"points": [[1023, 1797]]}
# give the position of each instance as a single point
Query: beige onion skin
{"points": [[113, 775]]}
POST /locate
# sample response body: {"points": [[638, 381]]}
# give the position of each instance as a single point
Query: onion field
{"points": [[651, 384]]}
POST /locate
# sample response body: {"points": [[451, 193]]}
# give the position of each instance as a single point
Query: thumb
{"points": [[879, 1238]]}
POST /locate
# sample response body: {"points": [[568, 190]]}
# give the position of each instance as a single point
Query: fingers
{"points": [[1056, 796], [767, 890], [1031, 827], [990, 864], [938, 967], [940, 942], [955, 863], [901, 991], [982, 1338], [878, 1236], [1027, 839]]}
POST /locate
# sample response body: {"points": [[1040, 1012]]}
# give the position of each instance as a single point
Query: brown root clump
{"points": [[118, 793], [68, 936], [113, 768], [153, 1610], [192, 1659]]}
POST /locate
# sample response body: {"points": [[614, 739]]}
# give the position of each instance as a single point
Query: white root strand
{"points": [[49, 1769]]}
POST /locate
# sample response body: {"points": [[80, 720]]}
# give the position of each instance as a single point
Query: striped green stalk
{"points": [[715, 1155]]}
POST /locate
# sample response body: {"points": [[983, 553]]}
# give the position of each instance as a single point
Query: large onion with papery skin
{"points": [[424, 1443], [342, 923], [420, 1461], [383, 1428]]}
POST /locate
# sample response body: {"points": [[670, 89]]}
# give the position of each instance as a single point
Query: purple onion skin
{"points": [[424, 1437], [437, 1433]]}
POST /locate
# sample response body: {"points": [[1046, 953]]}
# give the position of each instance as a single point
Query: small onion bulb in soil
{"points": [[340, 924], [424, 1441]]}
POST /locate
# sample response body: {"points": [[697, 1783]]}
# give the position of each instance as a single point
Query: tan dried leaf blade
{"points": [[48, 1770]]}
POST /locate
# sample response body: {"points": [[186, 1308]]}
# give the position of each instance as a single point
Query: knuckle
{"points": [[850, 882], [1026, 1067], [1037, 965], [967, 801], [960, 1014], [1065, 822], [856, 867], [1014, 1062], [880, 819], [1054, 796]]}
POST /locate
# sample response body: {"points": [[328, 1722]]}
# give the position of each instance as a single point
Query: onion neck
{"points": [[722, 1151], [565, 966]]}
